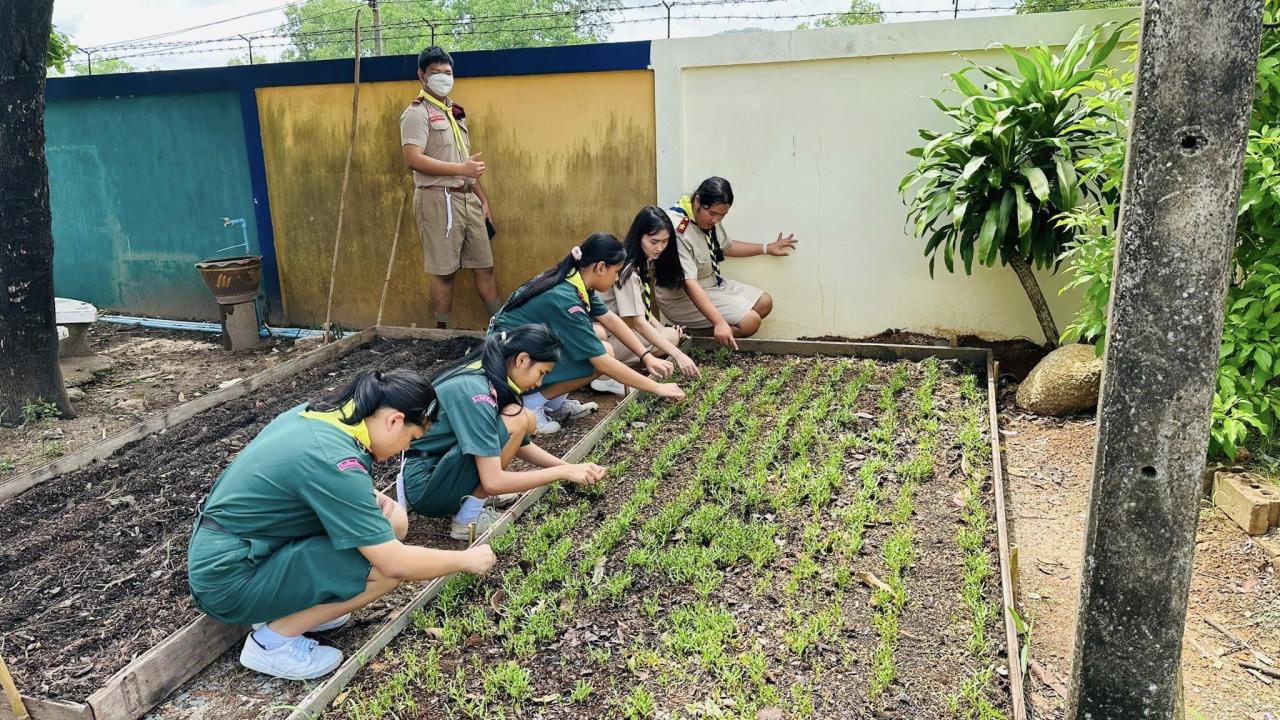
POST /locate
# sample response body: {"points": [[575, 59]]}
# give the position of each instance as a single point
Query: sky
{"points": [[95, 22]]}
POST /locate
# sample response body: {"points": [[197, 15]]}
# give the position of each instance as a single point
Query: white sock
{"points": [[534, 401], [270, 639], [470, 510], [554, 403]]}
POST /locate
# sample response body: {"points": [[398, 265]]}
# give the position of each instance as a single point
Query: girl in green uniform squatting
{"points": [[459, 467], [564, 298], [294, 536]]}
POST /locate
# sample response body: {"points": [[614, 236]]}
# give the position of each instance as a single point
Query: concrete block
{"points": [[1248, 500]]}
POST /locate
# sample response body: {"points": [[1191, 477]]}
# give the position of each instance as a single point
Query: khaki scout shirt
{"points": [[626, 300], [427, 127], [695, 252]]}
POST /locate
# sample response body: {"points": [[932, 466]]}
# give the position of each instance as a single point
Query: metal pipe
{"points": [[210, 327]]}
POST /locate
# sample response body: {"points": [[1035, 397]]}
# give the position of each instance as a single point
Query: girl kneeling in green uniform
{"points": [[460, 466], [564, 297], [294, 536]]}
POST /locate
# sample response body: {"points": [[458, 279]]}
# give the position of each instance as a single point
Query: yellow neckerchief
{"points": [[574, 278], [478, 367], [453, 122], [359, 431]]}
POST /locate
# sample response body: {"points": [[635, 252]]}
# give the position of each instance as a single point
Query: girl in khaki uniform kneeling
{"points": [[706, 298], [650, 239]]}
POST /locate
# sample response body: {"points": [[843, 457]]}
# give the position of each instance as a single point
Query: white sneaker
{"points": [[571, 409], [503, 500], [546, 426], [460, 531], [333, 624], [301, 659], [608, 385]]}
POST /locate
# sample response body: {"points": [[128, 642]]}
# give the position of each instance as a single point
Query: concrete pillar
{"points": [[239, 326], [1177, 233]]}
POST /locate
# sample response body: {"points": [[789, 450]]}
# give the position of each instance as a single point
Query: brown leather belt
{"points": [[464, 190]]}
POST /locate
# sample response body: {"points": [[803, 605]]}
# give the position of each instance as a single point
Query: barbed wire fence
{"points": [[522, 26]]}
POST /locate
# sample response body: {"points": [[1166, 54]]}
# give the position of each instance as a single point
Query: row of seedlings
{"points": [[899, 552], [457, 618], [710, 538], [972, 700]]}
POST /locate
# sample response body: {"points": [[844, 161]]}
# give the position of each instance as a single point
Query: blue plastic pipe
{"points": [[209, 327]]}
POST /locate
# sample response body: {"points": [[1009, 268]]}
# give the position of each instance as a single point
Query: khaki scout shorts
{"points": [[451, 242]]}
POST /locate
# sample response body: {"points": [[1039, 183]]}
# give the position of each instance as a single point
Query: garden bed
{"points": [[93, 561], [810, 534]]}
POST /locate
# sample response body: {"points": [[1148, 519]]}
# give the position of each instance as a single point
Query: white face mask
{"points": [[440, 84]]}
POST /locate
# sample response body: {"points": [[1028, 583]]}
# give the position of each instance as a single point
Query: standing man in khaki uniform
{"points": [[450, 205]]}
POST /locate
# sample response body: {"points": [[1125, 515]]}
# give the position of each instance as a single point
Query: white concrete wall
{"points": [[811, 128]]}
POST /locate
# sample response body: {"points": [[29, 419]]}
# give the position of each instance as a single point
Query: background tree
{"points": [[29, 372], [107, 66], [1041, 6], [59, 52], [860, 12], [321, 29]]}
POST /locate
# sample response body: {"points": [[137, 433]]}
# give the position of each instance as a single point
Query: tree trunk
{"points": [[29, 369], [1032, 288]]}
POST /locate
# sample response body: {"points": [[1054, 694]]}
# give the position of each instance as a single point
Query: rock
{"points": [[1065, 382], [75, 394]]}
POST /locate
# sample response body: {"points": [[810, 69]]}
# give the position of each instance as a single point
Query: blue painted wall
{"points": [[138, 187]]}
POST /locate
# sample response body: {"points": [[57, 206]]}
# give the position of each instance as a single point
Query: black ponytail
{"points": [[649, 221], [403, 390], [714, 191], [498, 349], [599, 247]]}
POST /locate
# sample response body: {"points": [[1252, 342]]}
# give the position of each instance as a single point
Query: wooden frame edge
{"points": [[1008, 602]]}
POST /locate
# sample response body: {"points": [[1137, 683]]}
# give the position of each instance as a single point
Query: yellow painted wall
{"points": [[567, 155]]}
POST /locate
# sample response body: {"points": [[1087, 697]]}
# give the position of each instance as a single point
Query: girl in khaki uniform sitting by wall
{"points": [[460, 466], [294, 536], [631, 298], [706, 298], [564, 298]]}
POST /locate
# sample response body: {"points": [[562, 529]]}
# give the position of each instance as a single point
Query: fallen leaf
{"points": [[497, 600], [436, 633], [342, 696], [871, 581], [547, 698]]}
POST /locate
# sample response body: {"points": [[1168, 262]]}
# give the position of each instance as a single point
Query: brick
{"points": [[1245, 500]]}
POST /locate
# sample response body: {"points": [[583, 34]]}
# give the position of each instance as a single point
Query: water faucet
{"points": [[244, 231]]}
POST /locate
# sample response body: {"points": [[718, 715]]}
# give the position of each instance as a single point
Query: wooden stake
{"points": [[11, 692], [395, 239], [346, 176]]}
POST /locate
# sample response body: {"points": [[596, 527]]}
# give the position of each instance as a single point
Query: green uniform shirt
{"points": [[304, 475], [569, 317], [468, 419]]}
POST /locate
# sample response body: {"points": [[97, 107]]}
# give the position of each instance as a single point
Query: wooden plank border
{"points": [[315, 703], [1008, 605], [85, 456], [140, 685], [39, 709]]}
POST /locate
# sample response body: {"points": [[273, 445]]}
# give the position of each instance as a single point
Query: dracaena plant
{"points": [[989, 189]]}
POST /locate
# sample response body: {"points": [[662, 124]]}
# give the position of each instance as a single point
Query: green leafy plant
{"points": [[1246, 404], [989, 189], [34, 412]]}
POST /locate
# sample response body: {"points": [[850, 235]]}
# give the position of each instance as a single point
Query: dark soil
{"points": [[622, 647], [93, 563]]}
